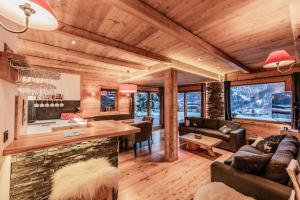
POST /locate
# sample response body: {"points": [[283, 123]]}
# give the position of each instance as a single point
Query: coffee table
{"points": [[205, 142]]}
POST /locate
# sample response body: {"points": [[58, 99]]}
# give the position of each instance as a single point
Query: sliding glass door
{"points": [[147, 103], [140, 105], [155, 107]]}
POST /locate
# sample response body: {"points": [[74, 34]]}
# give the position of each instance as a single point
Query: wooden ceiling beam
{"points": [[160, 21], [41, 47], [139, 75], [62, 65], [295, 22], [104, 41]]}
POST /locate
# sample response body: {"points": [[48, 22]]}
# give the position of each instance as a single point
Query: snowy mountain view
{"points": [[261, 101]]}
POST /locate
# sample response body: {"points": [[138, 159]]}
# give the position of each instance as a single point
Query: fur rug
{"points": [[219, 191], [84, 180]]}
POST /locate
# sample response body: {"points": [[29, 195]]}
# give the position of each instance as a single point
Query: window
{"points": [[155, 107], [108, 100], [193, 104], [180, 102], [268, 101], [140, 105], [189, 105]]}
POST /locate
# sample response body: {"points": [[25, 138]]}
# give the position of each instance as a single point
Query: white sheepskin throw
{"points": [[84, 180], [219, 191]]}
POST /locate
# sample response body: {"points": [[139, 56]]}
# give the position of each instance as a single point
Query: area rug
{"points": [[219, 191]]}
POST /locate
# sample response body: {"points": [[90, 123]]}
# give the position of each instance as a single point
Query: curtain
{"points": [[295, 99], [227, 100], [131, 106]]}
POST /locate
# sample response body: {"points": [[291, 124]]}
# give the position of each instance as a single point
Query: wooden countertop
{"points": [[96, 129]]}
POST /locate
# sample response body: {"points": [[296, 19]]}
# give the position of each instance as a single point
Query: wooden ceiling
{"points": [[114, 36]]}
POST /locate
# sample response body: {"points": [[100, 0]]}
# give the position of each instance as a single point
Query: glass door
{"points": [[140, 105], [155, 107]]}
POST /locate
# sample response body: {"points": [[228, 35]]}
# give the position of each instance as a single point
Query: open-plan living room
{"points": [[149, 99]]}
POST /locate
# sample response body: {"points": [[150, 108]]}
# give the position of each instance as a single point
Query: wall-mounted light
{"points": [[280, 58], [35, 14]]}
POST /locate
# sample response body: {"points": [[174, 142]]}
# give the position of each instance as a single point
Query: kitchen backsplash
{"points": [[38, 113]]}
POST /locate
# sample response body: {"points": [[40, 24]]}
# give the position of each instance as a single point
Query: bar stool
{"points": [[94, 179]]}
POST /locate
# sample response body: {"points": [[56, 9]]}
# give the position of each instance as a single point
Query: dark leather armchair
{"points": [[144, 135]]}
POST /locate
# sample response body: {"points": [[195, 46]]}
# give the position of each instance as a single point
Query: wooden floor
{"points": [[149, 177]]}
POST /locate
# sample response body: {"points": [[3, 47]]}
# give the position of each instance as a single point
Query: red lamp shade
{"points": [[127, 88], [278, 58], [42, 19]]}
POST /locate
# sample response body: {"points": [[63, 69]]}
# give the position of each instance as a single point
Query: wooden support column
{"points": [[170, 115], [295, 22]]}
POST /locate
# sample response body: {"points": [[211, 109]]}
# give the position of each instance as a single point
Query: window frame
{"points": [[281, 79], [116, 99]]}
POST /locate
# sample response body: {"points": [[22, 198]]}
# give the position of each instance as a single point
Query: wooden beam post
{"points": [[295, 22], [170, 115]]}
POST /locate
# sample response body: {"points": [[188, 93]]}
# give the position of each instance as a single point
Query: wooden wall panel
{"points": [[260, 128], [90, 96]]}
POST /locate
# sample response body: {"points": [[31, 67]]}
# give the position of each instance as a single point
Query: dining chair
{"points": [[149, 118], [144, 135]]}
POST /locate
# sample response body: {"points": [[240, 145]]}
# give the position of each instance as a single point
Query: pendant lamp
{"points": [[127, 87], [280, 58], [35, 14]]}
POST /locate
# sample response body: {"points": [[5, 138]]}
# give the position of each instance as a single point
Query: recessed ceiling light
{"points": [[73, 42]]}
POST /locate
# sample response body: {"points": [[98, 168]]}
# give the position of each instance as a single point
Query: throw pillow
{"points": [[233, 125], [250, 162], [275, 138], [187, 122], [225, 129], [265, 145]]}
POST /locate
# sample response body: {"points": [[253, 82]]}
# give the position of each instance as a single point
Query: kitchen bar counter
{"points": [[94, 130]]}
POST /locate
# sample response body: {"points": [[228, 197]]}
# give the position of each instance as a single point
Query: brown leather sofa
{"points": [[271, 183], [209, 127]]}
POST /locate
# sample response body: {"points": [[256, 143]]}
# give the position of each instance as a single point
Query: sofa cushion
{"points": [[213, 133], [233, 125], [265, 145], [225, 129], [276, 168], [210, 123], [246, 148], [251, 149], [188, 129], [275, 138], [251, 163]]}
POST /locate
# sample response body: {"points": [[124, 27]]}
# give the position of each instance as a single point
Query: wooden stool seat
{"points": [[94, 179]]}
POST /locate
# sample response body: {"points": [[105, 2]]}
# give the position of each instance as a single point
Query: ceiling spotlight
{"points": [[73, 42]]}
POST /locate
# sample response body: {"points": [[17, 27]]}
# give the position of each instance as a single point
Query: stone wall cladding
{"points": [[31, 172], [215, 100]]}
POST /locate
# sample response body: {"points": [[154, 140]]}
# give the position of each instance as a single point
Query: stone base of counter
{"points": [[31, 172]]}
